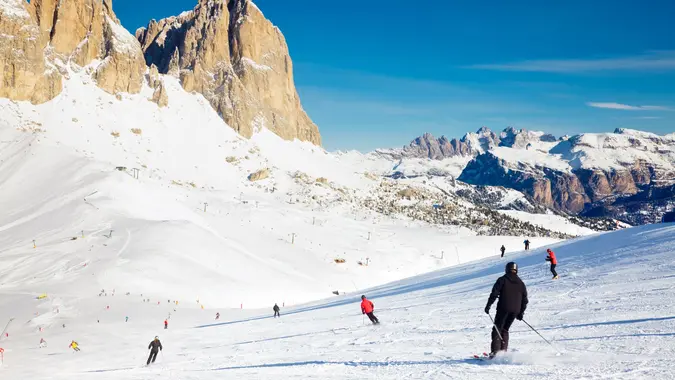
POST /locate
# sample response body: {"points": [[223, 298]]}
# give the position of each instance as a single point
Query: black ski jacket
{"points": [[511, 292], [275, 308], [155, 345]]}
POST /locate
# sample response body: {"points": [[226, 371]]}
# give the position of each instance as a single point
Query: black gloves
{"points": [[520, 316], [487, 309]]}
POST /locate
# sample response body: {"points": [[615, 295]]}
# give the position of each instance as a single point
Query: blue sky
{"points": [[377, 73]]}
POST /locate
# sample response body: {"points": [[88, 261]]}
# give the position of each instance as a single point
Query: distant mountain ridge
{"points": [[471, 144], [627, 174]]}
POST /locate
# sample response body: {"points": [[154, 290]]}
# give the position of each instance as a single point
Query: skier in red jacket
{"points": [[554, 262], [367, 308]]}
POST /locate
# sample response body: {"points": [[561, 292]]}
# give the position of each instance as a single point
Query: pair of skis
{"points": [[483, 357]]}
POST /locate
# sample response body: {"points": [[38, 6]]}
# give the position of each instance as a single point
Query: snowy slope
{"points": [[606, 316], [555, 222], [192, 213]]}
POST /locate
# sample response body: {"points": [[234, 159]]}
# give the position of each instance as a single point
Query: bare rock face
{"points": [[123, 64], [160, 95], [551, 188], [39, 38], [229, 52], [23, 72]]}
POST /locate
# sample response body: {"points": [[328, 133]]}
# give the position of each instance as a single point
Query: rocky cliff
{"points": [[627, 174], [229, 52], [471, 144], [223, 49], [41, 39]]}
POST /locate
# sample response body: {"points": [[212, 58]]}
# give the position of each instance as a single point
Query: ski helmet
{"points": [[511, 267], [363, 297]]}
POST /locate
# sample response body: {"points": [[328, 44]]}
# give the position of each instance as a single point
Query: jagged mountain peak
{"points": [[224, 49], [230, 53]]}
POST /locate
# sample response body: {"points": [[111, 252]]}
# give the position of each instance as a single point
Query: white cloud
{"points": [[626, 107], [651, 61]]}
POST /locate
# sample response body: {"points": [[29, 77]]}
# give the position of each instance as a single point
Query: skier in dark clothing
{"points": [[276, 311], [527, 244], [503, 249], [155, 346], [512, 295], [368, 308]]}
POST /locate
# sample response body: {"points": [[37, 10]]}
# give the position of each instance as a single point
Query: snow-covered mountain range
{"points": [[174, 174], [627, 174], [113, 173]]}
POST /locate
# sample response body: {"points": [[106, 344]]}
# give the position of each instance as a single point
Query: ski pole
{"points": [[545, 340], [496, 329]]}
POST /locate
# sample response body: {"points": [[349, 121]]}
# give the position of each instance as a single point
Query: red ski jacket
{"points": [[367, 306], [551, 258]]}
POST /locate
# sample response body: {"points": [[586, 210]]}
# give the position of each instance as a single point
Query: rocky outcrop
{"points": [[259, 175], [547, 187], [229, 52], [427, 146], [24, 73], [154, 80], [626, 175], [38, 39], [472, 144]]}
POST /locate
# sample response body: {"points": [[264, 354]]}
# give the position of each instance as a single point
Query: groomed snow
{"points": [[608, 317]]}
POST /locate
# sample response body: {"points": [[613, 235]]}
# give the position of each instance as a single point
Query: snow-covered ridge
{"points": [[589, 173], [122, 40], [588, 151]]}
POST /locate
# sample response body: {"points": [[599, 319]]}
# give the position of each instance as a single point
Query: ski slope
{"points": [[610, 316], [70, 217]]}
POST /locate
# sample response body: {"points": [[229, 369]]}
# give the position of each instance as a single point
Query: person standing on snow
{"points": [[43, 342], [527, 244], [276, 311], [166, 324], [512, 295], [503, 249], [217, 316], [155, 346], [368, 308], [551, 257]]}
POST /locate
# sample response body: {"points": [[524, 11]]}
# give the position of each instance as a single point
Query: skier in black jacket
{"points": [[512, 295], [155, 346], [276, 311]]}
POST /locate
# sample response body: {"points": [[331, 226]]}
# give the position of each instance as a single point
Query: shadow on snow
{"points": [[349, 364]]}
